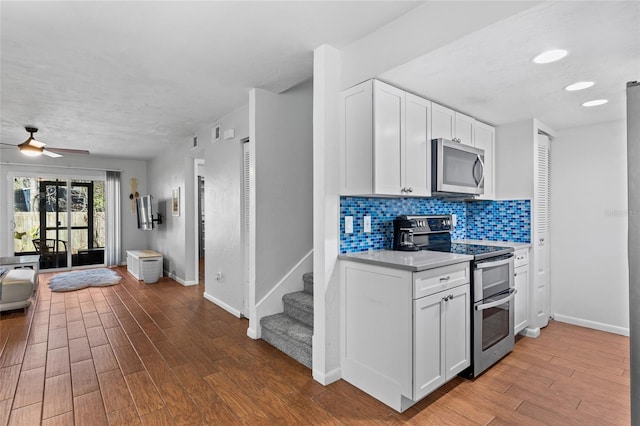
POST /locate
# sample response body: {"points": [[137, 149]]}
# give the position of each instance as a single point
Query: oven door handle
{"points": [[512, 294], [485, 265]]}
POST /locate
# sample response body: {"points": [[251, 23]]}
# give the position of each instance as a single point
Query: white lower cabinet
{"points": [[404, 333], [441, 340], [521, 284]]}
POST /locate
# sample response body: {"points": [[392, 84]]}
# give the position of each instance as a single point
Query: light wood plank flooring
{"points": [[158, 354]]}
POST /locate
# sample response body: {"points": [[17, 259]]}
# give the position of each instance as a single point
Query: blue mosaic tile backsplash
{"points": [[479, 220]]}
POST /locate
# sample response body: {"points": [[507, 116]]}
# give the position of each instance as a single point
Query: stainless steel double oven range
{"points": [[492, 289]]}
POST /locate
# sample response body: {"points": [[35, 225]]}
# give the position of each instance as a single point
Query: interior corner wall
{"points": [[421, 30], [173, 169], [74, 165], [224, 250], [589, 270], [284, 183]]}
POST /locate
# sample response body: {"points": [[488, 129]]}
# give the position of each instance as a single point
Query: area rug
{"points": [[69, 281]]}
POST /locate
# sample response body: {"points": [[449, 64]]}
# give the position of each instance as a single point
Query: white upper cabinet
{"points": [[449, 124], [386, 138], [417, 155], [484, 138], [386, 134]]}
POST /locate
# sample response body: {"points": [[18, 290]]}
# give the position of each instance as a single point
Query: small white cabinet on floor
{"points": [[136, 259], [404, 333]]}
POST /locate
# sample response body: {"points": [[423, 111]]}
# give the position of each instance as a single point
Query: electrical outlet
{"points": [[366, 224], [454, 220], [348, 224], [219, 276]]}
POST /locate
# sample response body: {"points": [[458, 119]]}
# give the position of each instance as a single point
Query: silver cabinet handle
{"points": [[410, 189], [447, 278]]}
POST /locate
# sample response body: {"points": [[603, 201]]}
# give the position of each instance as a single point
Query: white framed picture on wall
{"points": [[175, 202]]}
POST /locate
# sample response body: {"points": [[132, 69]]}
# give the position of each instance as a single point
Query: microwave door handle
{"points": [[478, 161], [512, 294]]}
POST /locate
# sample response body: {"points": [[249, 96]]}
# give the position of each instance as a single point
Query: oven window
{"points": [[495, 324], [495, 280]]}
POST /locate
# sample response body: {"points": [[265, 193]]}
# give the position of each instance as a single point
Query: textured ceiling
{"points": [[489, 74], [125, 79]]}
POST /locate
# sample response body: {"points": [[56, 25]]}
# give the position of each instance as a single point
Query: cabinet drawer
{"points": [[521, 257], [434, 280]]}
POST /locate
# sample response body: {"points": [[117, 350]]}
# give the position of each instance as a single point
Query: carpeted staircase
{"points": [[291, 331]]}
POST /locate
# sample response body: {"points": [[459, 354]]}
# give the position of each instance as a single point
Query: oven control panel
{"points": [[431, 224]]}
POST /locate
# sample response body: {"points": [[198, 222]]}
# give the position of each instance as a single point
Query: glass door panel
{"points": [[87, 223], [52, 244]]}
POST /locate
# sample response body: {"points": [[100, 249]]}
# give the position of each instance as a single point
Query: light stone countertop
{"points": [[408, 260]]}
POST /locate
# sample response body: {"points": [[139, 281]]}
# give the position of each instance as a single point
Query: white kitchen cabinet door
{"points": [[464, 129], [442, 122], [521, 300], [356, 147], [428, 343], [457, 331], [484, 138], [388, 109], [417, 153]]}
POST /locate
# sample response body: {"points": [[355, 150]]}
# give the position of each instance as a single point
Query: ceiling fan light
{"points": [[30, 150]]}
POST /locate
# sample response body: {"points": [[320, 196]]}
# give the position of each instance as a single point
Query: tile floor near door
{"points": [[160, 354]]}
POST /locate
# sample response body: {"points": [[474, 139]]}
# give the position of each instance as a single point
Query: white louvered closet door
{"points": [[246, 220], [541, 222]]}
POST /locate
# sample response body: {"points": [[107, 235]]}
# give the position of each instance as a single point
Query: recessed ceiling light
{"points": [[579, 86], [550, 56], [595, 103]]}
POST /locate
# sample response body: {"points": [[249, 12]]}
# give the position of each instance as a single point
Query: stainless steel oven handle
{"points": [[485, 265], [512, 294]]}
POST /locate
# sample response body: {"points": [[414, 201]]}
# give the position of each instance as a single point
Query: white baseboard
{"points": [[180, 280], [223, 305], [272, 302], [252, 333], [531, 332], [326, 378], [592, 324]]}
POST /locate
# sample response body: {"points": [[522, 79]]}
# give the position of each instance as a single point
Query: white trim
{"points": [[53, 166], [271, 303], [327, 378], [531, 332], [180, 280], [592, 324], [223, 305]]}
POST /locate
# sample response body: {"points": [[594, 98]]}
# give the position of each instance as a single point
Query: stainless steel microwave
{"points": [[456, 169]]}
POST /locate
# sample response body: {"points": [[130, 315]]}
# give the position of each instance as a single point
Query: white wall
{"points": [[514, 160], [174, 238], [72, 165], [589, 271], [223, 213], [284, 183]]}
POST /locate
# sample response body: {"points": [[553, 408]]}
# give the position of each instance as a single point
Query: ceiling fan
{"points": [[33, 147]]}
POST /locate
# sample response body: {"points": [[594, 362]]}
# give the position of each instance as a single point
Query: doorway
{"points": [[62, 220]]}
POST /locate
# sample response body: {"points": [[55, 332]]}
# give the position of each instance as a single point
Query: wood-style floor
{"points": [[160, 354]]}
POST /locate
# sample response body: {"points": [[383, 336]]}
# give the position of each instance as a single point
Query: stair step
{"points": [[308, 282], [299, 305], [289, 335]]}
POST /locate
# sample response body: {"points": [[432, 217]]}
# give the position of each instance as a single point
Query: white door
{"points": [[541, 226], [388, 106], [428, 344], [457, 331], [417, 153], [246, 222], [442, 122]]}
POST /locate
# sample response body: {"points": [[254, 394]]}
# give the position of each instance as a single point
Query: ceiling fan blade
{"points": [[68, 151], [51, 154]]}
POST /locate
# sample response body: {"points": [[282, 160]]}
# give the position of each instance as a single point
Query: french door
{"points": [[62, 220]]}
